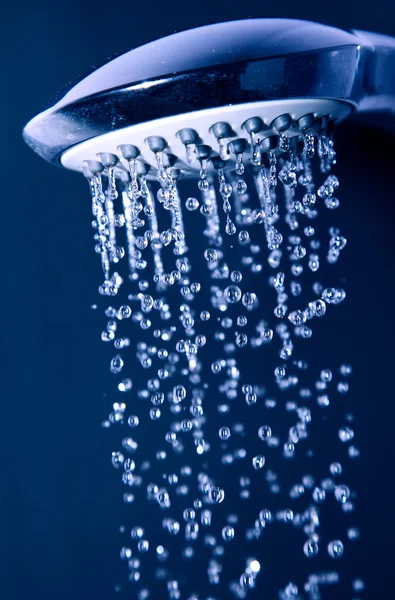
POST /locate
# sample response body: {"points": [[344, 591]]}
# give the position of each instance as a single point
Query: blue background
{"points": [[59, 497]]}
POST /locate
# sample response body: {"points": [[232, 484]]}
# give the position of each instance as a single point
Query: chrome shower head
{"points": [[206, 86]]}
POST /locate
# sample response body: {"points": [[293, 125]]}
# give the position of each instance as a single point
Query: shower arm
{"points": [[379, 82]]}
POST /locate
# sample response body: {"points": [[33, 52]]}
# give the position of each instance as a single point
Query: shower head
{"points": [[209, 90]]}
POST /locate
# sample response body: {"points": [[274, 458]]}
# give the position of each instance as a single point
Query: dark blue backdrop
{"points": [[59, 497]]}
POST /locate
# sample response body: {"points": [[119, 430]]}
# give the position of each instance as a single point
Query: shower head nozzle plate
{"points": [[201, 122]]}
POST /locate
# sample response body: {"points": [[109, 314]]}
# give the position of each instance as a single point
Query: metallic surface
{"points": [[218, 65]]}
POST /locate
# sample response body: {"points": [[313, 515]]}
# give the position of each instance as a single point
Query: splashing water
{"points": [[222, 421]]}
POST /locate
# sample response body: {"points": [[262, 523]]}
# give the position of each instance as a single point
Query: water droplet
{"points": [[244, 237], [224, 433], [232, 294], [241, 186], [203, 185], [265, 432], [228, 533], [210, 255], [342, 493], [116, 364], [216, 495], [249, 299], [335, 468], [335, 549], [230, 227], [247, 581], [133, 421], [179, 393], [346, 434], [258, 462], [310, 548], [192, 204], [319, 495]]}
